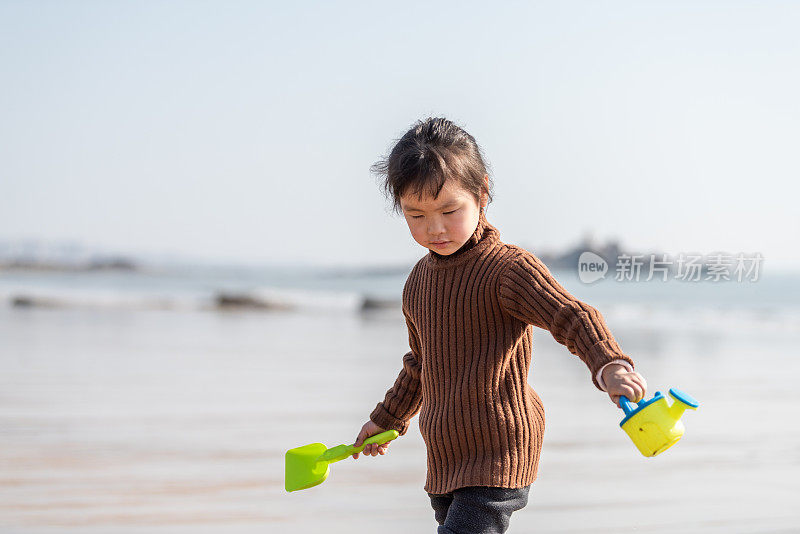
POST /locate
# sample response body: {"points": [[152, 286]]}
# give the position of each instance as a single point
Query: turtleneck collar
{"points": [[484, 235]]}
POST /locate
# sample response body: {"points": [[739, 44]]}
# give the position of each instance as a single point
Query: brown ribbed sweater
{"points": [[470, 318]]}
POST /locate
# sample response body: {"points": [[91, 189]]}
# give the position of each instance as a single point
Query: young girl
{"points": [[470, 305]]}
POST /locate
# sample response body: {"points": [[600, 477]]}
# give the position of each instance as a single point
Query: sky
{"points": [[244, 131]]}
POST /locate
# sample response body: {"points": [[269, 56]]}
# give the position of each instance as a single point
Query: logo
{"points": [[591, 267]]}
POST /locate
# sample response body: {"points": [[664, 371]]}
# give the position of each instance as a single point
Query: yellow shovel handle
{"points": [[340, 452], [383, 437]]}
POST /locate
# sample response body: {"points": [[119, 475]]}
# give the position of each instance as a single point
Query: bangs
{"points": [[423, 173]]}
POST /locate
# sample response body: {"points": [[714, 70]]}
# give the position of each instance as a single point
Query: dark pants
{"points": [[477, 509]]}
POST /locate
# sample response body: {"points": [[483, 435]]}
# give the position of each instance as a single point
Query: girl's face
{"points": [[443, 225]]}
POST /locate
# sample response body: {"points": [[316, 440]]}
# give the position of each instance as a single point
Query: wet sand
{"points": [[126, 421]]}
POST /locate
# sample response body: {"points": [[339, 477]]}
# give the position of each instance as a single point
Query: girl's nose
{"points": [[435, 229]]}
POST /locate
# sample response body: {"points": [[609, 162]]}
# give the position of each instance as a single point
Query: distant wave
{"points": [[71, 298], [662, 317], [710, 317], [254, 299]]}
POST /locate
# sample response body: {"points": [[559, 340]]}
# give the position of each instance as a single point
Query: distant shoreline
{"points": [[115, 264]]}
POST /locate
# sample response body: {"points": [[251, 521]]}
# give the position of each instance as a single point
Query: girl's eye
{"points": [[446, 213]]}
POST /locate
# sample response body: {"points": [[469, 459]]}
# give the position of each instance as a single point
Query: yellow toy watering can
{"points": [[653, 425]]}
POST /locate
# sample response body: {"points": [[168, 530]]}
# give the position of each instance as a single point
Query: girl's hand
{"points": [[368, 430], [620, 382]]}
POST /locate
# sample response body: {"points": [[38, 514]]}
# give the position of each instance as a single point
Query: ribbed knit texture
{"points": [[470, 318]]}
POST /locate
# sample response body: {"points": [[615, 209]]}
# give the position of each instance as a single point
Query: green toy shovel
{"points": [[309, 465]]}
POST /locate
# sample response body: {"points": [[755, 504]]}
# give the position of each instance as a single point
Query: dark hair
{"points": [[431, 152]]}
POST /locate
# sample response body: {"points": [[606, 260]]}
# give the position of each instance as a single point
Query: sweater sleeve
{"points": [[404, 399], [530, 293]]}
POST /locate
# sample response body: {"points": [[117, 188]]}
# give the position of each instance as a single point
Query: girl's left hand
{"points": [[620, 382]]}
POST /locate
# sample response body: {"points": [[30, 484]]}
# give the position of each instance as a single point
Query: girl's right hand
{"points": [[372, 449]]}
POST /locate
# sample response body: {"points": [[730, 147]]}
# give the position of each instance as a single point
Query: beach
{"points": [[210, 212], [128, 419]]}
